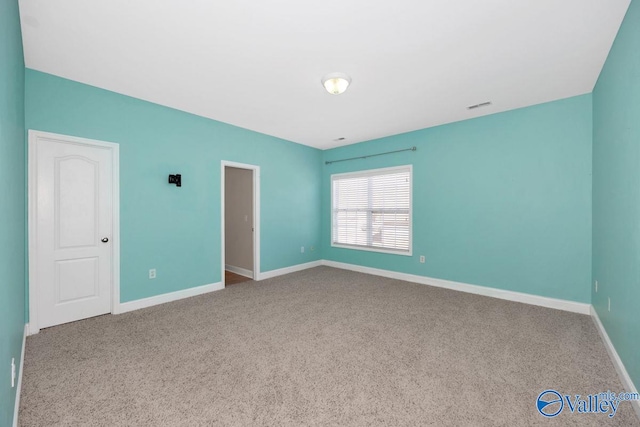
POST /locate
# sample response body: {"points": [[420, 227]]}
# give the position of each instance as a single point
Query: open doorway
{"points": [[240, 222]]}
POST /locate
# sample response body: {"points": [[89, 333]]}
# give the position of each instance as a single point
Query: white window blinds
{"points": [[371, 210]]}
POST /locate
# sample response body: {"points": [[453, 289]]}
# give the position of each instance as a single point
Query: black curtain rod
{"points": [[328, 162]]}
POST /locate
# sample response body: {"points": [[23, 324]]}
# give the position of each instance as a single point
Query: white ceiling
{"points": [[258, 63]]}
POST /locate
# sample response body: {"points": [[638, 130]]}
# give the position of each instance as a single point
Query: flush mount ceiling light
{"points": [[336, 83]]}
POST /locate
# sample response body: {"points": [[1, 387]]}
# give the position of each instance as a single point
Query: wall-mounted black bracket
{"points": [[176, 179]]}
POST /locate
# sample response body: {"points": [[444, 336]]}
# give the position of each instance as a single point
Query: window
{"points": [[371, 210]]}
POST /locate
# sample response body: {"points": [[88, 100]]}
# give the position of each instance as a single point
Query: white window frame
{"points": [[370, 172]]}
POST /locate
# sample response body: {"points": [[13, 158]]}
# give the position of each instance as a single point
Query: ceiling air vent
{"points": [[484, 104]]}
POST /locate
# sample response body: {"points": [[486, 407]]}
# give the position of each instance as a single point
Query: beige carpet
{"points": [[320, 347]]}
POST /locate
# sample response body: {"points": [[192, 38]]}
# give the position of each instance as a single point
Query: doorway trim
{"points": [[33, 137], [256, 216]]}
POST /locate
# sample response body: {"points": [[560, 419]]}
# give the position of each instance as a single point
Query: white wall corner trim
{"points": [[169, 297], [558, 304], [241, 271], [16, 409], [626, 380], [286, 270]]}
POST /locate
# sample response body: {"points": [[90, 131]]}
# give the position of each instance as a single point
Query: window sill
{"points": [[372, 249]]}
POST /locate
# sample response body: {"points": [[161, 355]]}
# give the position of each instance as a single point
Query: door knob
{"points": [[105, 239]]}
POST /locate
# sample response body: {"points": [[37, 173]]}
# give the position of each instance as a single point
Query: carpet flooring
{"points": [[320, 347]]}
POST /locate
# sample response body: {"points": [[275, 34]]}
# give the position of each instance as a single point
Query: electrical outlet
{"points": [[596, 286], [301, 249], [312, 248], [422, 259], [609, 299], [13, 372], [152, 273]]}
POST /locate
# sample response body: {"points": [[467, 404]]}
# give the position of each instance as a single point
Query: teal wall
{"points": [[12, 201], [502, 201], [177, 230], [616, 193]]}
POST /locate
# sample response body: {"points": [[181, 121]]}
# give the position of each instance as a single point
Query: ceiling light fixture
{"points": [[336, 83]]}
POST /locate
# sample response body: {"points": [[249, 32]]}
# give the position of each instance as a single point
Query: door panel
{"points": [[77, 185], [76, 279], [74, 201]]}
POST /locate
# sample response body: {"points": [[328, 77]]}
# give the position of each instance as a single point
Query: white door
{"points": [[73, 229]]}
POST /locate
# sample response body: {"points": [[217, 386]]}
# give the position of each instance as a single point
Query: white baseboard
{"points": [[559, 304], [287, 270], [16, 409], [627, 382], [241, 271], [169, 297]]}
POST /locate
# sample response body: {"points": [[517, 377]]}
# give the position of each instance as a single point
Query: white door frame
{"points": [[256, 215], [34, 326]]}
